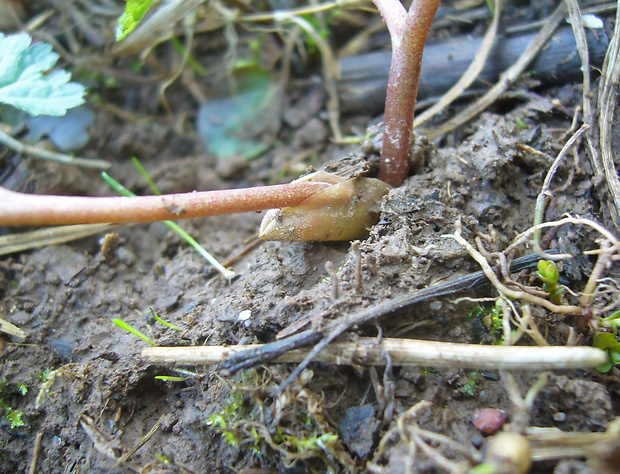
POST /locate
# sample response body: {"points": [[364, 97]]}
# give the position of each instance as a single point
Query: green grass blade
{"points": [[123, 325], [165, 323], [147, 177]]}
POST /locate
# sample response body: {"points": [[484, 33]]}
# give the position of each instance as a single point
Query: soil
{"points": [[104, 398]]}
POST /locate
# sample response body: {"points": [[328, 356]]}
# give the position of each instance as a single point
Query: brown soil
{"points": [[480, 174]]}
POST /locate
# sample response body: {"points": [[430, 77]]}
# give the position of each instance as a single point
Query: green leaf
{"points": [[605, 367], [170, 378], [604, 340], [23, 85], [612, 317], [134, 12], [614, 353], [548, 272]]}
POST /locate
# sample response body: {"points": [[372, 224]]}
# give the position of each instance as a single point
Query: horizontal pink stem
{"points": [[19, 209]]}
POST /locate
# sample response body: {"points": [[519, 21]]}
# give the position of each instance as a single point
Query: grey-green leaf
{"points": [[23, 83]]}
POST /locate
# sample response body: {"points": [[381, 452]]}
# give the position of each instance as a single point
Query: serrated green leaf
{"points": [[23, 84], [134, 13], [37, 59], [11, 48]]}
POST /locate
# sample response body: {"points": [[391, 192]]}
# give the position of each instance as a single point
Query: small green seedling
{"points": [[127, 327], [609, 343], [186, 374], [611, 322], [170, 378], [165, 323], [134, 13], [550, 276]]}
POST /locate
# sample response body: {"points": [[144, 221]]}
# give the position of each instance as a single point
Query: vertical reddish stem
{"points": [[402, 91]]}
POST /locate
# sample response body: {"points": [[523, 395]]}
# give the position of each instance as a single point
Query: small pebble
{"points": [[559, 416], [436, 305], [126, 256], [490, 420]]}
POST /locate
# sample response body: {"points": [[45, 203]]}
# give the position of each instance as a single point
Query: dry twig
{"points": [[469, 76], [37, 152], [366, 351], [507, 78], [607, 99]]}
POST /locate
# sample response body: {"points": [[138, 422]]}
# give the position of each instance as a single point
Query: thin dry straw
{"points": [[367, 351]]}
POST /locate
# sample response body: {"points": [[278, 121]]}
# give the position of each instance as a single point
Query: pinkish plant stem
{"points": [[402, 90], [394, 15], [19, 209]]}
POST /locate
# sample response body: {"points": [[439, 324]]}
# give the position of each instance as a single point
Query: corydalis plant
{"points": [[408, 31]]}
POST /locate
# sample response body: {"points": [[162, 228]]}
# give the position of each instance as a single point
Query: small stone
{"points": [[559, 416], [126, 256], [358, 429], [231, 167], [313, 132], [490, 420]]}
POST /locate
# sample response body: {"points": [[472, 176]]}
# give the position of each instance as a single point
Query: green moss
{"points": [[10, 414], [43, 375], [14, 417], [492, 318], [301, 433], [471, 386]]}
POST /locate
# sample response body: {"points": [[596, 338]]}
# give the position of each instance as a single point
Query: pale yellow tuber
{"points": [[344, 211]]}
